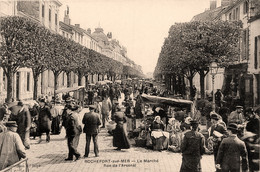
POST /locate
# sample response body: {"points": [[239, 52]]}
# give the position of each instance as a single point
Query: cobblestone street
{"points": [[50, 157]]}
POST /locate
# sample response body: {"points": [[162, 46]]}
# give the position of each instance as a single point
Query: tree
{"points": [[59, 56], [38, 53], [15, 47], [191, 47]]}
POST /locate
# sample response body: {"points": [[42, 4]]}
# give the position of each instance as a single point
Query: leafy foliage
{"points": [[191, 47]]}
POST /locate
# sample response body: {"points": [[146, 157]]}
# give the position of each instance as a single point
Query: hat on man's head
{"points": [[72, 107], [92, 107], [232, 126], [20, 103], [42, 100], [214, 116], [239, 107], [11, 124]]}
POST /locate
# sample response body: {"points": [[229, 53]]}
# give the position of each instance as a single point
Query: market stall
{"points": [[152, 108]]}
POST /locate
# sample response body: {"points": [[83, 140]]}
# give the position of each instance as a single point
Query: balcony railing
{"points": [[19, 166]]}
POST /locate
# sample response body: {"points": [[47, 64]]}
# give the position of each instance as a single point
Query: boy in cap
{"points": [[12, 149], [230, 151], [192, 148]]}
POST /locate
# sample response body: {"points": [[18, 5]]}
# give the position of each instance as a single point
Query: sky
{"points": [[139, 25]]}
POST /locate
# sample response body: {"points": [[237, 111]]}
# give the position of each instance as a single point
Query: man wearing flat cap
{"points": [[12, 149], [91, 121], [218, 131], [236, 116], [192, 148], [231, 150]]}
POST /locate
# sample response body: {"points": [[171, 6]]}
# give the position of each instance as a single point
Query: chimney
{"points": [[66, 17], [77, 25], [109, 35], [213, 4], [89, 31]]}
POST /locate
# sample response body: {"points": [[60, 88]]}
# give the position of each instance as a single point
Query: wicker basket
{"points": [[111, 126]]}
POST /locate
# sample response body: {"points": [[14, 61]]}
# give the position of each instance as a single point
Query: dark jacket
{"points": [[91, 123], [192, 147], [23, 118], [193, 144], [229, 153], [253, 125], [73, 125], [44, 119]]}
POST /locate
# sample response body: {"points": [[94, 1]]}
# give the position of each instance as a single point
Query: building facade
{"points": [[241, 79]]}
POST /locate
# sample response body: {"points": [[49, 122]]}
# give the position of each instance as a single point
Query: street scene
{"points": [[129, 85]]}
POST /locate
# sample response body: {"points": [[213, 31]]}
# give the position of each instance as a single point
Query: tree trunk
{"points": [[35, 86], [202, 81], [10, 79], [191, 84], [80, 79], [174, 84], [86, 80], [56, 75], [68, 79]]}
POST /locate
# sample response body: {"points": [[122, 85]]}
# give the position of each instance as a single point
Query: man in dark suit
{"points": [[91, 123], [192, 148], [230, 151], [73, 132]]}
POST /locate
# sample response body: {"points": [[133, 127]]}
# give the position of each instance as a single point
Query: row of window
{"points": [[235, 13], [43, 14]]}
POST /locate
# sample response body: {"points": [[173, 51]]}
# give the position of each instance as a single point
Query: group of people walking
{"points": [[229, 144]]}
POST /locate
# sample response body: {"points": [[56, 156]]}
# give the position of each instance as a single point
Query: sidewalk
{"points": [[50, 157]]}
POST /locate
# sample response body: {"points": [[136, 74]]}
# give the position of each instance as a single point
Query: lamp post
{"points": [[213, 70]]}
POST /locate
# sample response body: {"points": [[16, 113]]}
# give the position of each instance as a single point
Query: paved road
{"points": [[50, 157]]}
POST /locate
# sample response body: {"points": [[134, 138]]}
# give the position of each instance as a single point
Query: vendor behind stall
{"points": [[159, 137]]}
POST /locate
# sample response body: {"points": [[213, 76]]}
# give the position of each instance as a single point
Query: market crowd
{"points": [[120, 109]]}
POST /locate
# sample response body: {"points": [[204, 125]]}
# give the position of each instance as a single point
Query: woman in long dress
{"points": [[159, 138], [119, 134]]}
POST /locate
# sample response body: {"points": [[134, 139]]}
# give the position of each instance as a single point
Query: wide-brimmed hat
{"points": [[248, 134], [214, 116], [232, 126], [92, 106], [11, 124], [69, 99]]}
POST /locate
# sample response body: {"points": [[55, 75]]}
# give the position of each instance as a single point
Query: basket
{"points": [[111, 126], [139, 142]]}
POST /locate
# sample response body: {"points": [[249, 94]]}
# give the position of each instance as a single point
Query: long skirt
{"points": [[55, 125], [160, 143], [190, 163], [119, 137]]}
